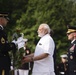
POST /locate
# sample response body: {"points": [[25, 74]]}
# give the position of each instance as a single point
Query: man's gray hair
{"points": [[46, 26]]}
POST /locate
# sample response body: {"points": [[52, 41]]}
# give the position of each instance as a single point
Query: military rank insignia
{"points": [[71, 57], [72, 48], [2, 40]]}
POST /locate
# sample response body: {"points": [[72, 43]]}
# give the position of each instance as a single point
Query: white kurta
{"points": [[46, 65]]}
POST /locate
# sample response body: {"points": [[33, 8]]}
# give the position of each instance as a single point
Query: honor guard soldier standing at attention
{"points": [[71, 33], [62, 66], [5, 47]]}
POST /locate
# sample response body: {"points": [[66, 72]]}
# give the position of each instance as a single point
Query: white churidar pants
{"points": [[21, 72]]}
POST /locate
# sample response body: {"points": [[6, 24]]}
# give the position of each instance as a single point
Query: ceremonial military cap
{"points": [[5, 15], [71, 29], [63, 56]]}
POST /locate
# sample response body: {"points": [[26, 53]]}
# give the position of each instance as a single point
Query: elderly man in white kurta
{"points": [[43, 56], [46, 65]]}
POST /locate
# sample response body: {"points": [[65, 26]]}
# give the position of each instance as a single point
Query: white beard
{"points": [[40, 35]]}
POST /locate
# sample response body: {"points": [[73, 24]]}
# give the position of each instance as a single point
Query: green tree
{"points": [[55, 13], [28, 14]]}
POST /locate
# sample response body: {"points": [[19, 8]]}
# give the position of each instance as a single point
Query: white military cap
{"points": [[63, 56]]}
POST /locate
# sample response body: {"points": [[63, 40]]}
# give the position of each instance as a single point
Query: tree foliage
{"points": [[28, 14]]}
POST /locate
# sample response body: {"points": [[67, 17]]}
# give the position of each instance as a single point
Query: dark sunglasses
{"points": [[65, 57], [68, 33]]}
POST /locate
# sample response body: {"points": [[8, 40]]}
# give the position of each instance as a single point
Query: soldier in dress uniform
{"points": [[25, 67], [62, 66], [71, 34], [5, 46]]}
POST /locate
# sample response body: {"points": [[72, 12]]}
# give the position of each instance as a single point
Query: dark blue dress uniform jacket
{"points": [[5, 47], [62, 68], [72, 58], [26, 66]]}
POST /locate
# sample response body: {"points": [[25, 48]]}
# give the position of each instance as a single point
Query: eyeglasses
{"points": [[40, 29]]}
